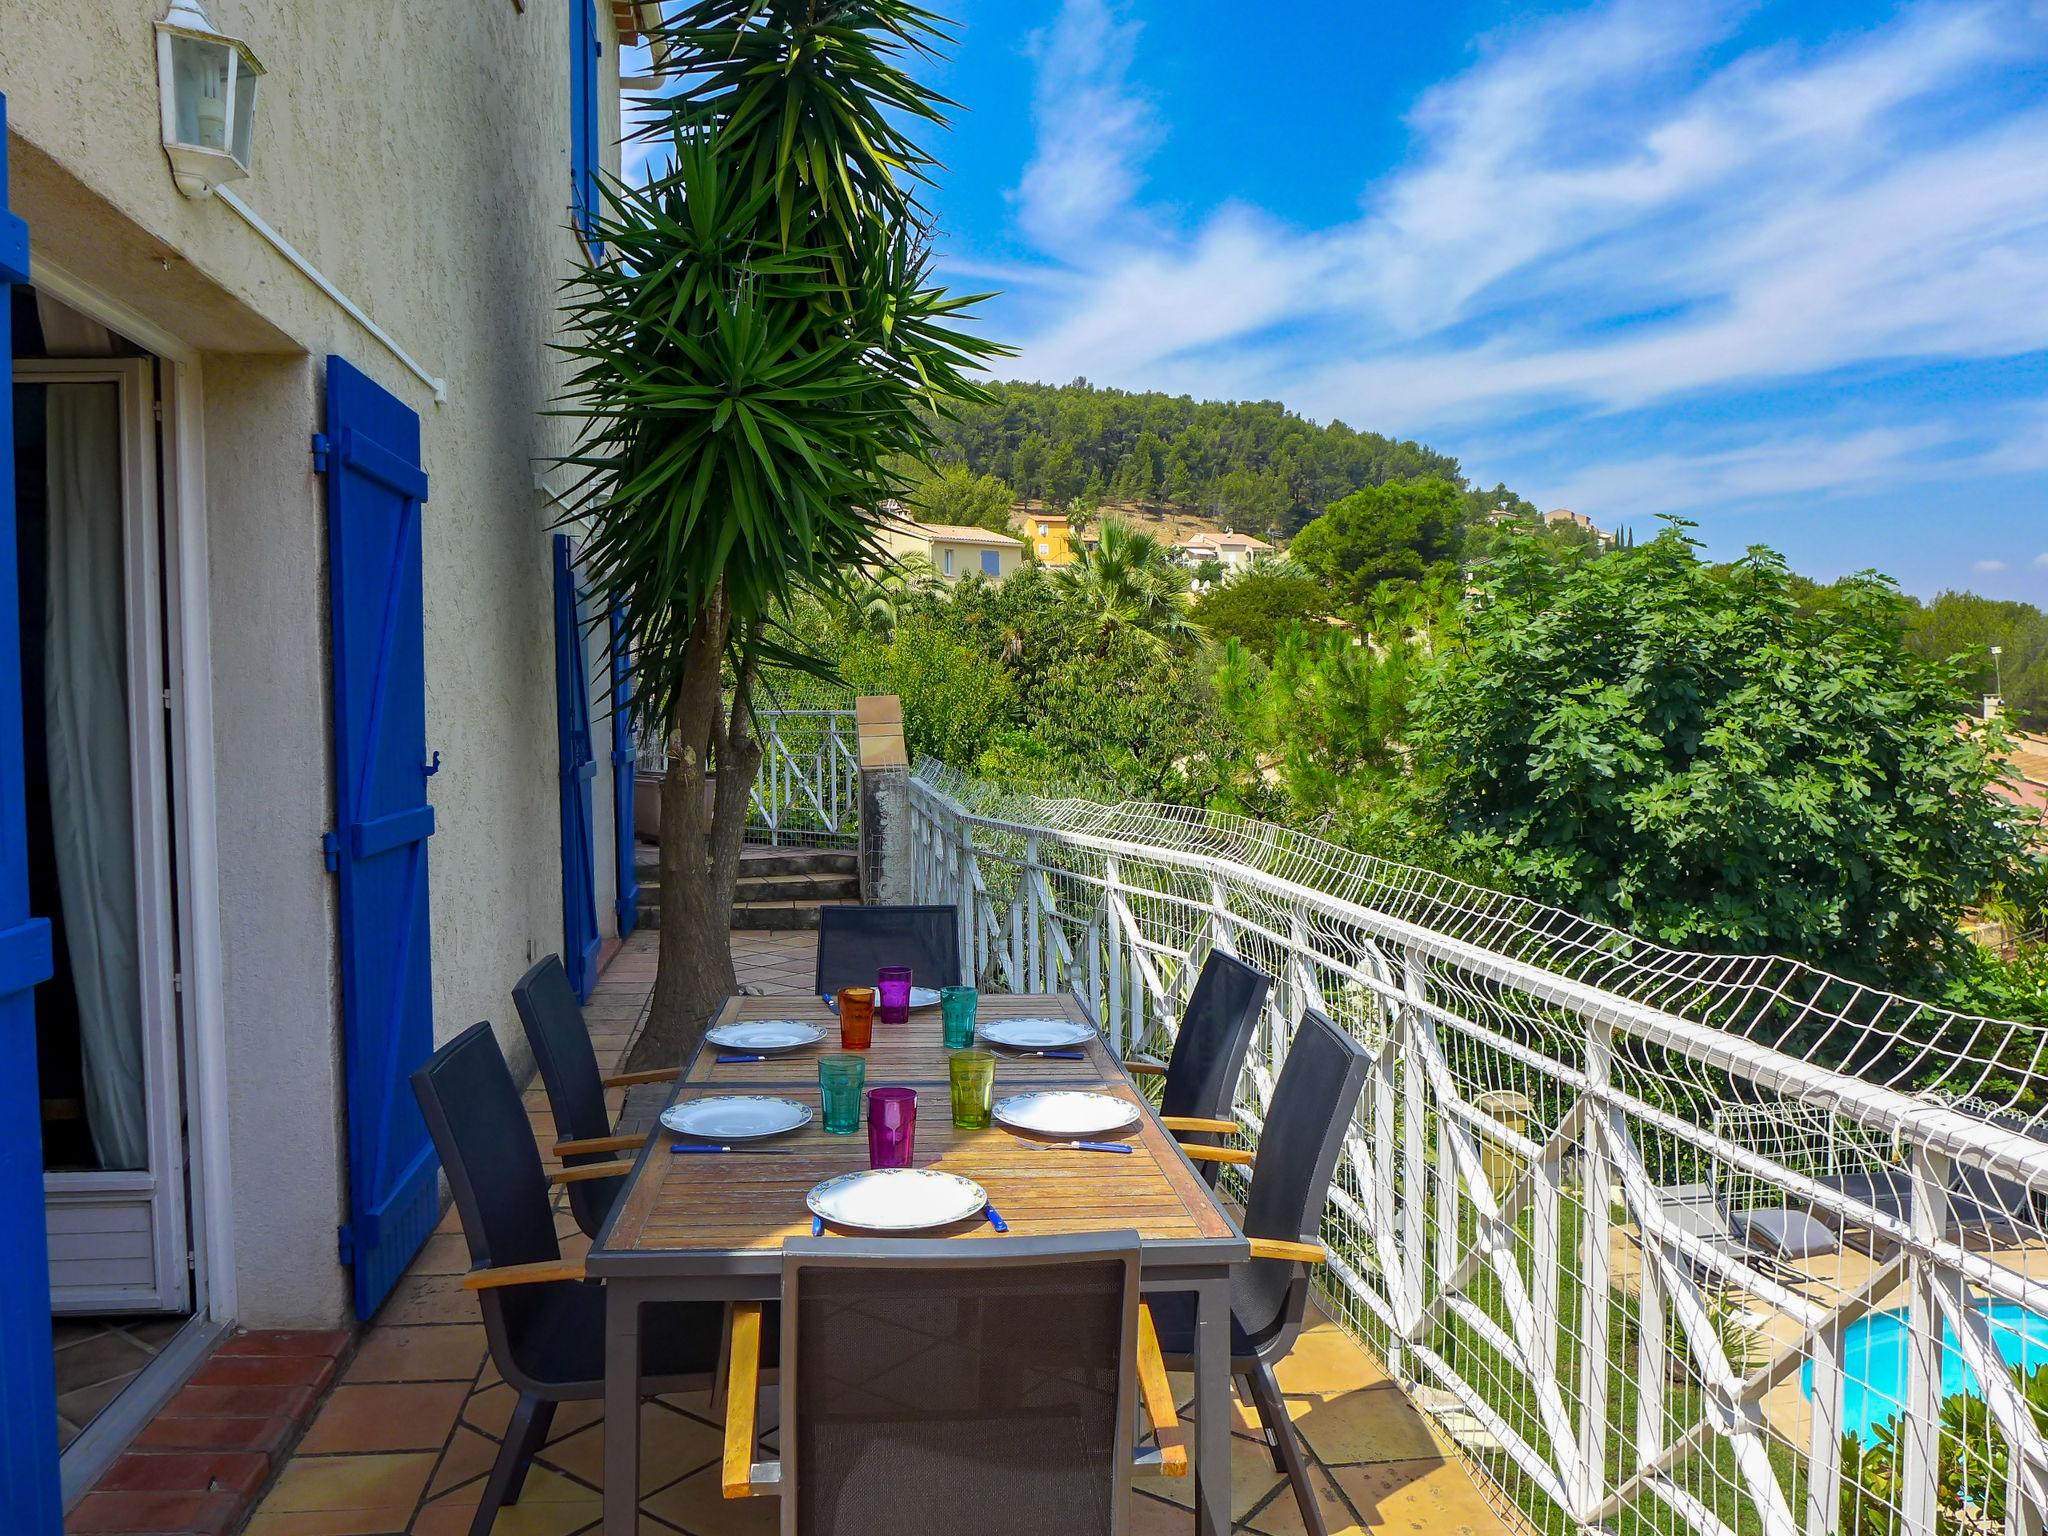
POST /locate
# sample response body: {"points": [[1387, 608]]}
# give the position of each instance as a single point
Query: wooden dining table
{"points": [[711, 1226]]}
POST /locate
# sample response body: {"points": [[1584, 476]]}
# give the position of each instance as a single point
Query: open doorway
{"points": [[99, 769]]}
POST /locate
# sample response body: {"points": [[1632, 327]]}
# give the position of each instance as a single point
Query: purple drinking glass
{"points": [[892, 1126], [893, 982]]}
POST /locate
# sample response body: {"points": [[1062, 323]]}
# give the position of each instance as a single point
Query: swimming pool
{"points": [[1874, 1361]]}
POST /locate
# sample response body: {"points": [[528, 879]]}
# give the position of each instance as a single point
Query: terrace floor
{"points": [[405, 1440]]}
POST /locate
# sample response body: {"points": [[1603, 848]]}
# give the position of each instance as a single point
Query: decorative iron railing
{"points": [[1662, 1241]]}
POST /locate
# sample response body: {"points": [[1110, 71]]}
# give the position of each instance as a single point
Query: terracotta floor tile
{"points": [[1281, 1514], [1427, 1495], [468, 1457], [1378, 1424], [105, 1355], [83, 1404], [1325, 1360], [287, 1341], [266, 1436], [389, 1520], [154, 1514], [427, 1352], [489, 1408], [239, 1472], [572, 1417], [1156, 1517], [698, 1504], [671, 1447], [408, 1416], [429, 1299], [1251, 1478], [349, 1483], [197, 1401], [313, 1371], [549, 1505]]}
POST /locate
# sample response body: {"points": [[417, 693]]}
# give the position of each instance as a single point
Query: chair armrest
{"points": [[599, 1144], [1280, 1248], [635, 1079], [588, 1171], [1199, 1123], [1157, 1392], [1144, 1066], [742, 1395], [1218, 1154], [538, 1273]]}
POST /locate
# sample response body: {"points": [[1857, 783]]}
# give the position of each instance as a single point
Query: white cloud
{"points": [[1988, 567], [1093, 130], [2041, 561], [1774, 465], [1609, 211]]}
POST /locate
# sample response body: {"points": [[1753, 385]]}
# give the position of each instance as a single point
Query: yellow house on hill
{"points": [[1049, 535]]}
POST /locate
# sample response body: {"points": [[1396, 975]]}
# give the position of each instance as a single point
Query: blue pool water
{"points": [[1874, 1361]]}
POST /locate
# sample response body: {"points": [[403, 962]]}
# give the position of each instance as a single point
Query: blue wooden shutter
{"points": [[374, 491], [579, 767], [623, 766], [585, 145], [29, 1497]]}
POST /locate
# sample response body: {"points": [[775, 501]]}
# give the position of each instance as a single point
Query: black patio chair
{"points": [[1297, 1157], [1208, 1052], [553, 1021], [1982, 1205], [544, 1322], [930, 1387], [853, 942]]}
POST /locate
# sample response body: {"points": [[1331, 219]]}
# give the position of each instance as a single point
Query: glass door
{"points": [[94, 730]]}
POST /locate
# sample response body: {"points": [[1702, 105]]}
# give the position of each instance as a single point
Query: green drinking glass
{"points": [[974, 1085], [840, 1080], [956, 1007]]}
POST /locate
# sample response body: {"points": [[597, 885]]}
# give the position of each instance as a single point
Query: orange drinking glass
{"points": [[856, 1018]]}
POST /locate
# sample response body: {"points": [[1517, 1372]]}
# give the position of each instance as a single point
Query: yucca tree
{"points": [[760, 344], [1127, 584]]}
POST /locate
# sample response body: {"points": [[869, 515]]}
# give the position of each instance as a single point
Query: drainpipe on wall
{"points": [[884, 800]]}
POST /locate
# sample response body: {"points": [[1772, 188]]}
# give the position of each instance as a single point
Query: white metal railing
{"points": [[807, 791], [1549, 1219]]}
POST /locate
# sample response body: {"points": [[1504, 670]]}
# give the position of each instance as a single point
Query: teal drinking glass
{"points": [[840, 1080], [956, 1006]]}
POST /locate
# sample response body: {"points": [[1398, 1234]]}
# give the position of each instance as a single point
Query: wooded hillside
{"points": [[1252, 464]]}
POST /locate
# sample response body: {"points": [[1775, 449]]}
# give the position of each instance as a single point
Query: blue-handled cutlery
{"points": [[737, 1056], [995, 1218], [1081, 1146]]}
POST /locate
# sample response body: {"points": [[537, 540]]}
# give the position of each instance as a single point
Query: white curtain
{"points": [[91, 807]]}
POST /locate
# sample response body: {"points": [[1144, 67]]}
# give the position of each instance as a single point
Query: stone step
{"points": [[780, 915], [750, 892], [764, 863]]}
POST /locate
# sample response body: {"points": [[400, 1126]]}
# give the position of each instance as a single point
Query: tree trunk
{"points": [[700, 853]]}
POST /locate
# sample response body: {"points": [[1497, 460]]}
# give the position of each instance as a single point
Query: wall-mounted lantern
{"points": [[207, 81]]}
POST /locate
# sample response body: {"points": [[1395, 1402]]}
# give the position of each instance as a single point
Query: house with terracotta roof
{"points": [[955, 551], [1232, 551]]}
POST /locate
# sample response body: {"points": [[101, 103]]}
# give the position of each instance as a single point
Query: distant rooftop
{"points": [[957, 533]]}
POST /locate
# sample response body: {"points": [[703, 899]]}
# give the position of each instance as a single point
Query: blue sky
{"points": [[1780, 268]]}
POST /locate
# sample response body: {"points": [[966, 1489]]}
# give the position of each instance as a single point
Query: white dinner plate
{"points": [[765, 1035], [737, 1117], [1066, 1114], [920, 997], [896, 1199], [1034, 1034]]}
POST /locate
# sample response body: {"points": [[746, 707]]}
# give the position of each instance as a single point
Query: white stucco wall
{"points": [[418, 155]]}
